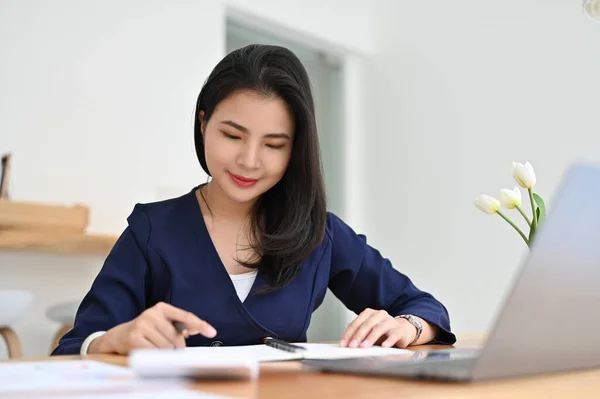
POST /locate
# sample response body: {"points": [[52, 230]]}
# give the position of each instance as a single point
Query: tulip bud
{"points": [[523, 174], [487, 204], [511, 198]]}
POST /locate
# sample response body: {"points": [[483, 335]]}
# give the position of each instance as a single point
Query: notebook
{"points": [[264, 353], [237, 361]]}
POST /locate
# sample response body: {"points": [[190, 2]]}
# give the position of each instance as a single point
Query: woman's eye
{"points": [[231, 136], [276, 146]]}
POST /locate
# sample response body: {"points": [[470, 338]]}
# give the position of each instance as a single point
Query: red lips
{"points": [[242, 181]]}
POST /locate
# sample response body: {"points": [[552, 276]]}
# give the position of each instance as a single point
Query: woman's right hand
{"points": [[152, 329]]}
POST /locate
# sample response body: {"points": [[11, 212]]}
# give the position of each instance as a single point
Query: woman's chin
{"points": [[243, 195]]}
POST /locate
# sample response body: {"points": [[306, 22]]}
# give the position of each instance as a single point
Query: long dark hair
{"points": [[287, 221]]}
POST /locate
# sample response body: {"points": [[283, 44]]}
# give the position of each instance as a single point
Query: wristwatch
{"points": [[415, 322]]}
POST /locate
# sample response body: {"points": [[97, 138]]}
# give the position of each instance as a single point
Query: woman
{"points": [[251, 253]]}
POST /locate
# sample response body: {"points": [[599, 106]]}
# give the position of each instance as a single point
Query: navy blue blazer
{"points": [[166, 254]]}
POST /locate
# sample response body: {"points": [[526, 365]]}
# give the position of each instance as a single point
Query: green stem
{"points": [[533, 215], [513, 225], [524, 215]]}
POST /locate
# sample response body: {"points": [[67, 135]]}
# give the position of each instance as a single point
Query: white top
{"points": [[243, 283]]}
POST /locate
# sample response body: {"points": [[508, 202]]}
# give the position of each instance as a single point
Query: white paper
{"points": [[209, 354], [170, 394], [71, 375], [160, 363], [334, 351], [264, 353]]}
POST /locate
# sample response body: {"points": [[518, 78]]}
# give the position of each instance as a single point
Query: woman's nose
{"points": [[249, 156]]}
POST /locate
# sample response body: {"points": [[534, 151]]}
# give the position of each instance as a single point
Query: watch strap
{"points": [[415, 322]]}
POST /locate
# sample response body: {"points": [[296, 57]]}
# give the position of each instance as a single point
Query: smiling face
{"points": [[248, 144]]}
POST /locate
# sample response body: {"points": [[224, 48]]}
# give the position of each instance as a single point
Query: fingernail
{"points": [[354, 344], [386, 344], [211, 331], [365, 344], [343, 342]]}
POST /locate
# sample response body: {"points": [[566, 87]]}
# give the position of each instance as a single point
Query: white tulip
{"points": [[510, 198], [523, 174], [592, 9], [487, 204]]}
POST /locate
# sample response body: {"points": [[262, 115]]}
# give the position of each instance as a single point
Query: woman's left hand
{"points": [[373, 326]]}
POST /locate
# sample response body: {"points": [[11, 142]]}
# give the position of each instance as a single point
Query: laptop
{"points": [[550, 318]]}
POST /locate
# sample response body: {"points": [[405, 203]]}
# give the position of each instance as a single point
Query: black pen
{"points": [[283, 345]]}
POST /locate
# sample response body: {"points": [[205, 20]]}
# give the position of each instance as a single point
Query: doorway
{"points": [[324, 70]]}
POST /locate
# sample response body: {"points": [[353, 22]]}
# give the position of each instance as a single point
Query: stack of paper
{"points": [[170, 394], [161, 363], [60, 376], [87, 379]]}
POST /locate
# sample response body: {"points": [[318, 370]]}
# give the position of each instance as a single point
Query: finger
{"points": [[190, 320], [138, 341], [173, 331], [170, 332], [150, 331], [396, 337], [354, 325], [365, 328], [378, 331]]}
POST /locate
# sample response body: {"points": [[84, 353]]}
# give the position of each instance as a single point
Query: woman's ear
{"points": [[202, 123]]}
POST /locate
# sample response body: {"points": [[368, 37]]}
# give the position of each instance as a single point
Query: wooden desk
{"points": [[288, 380]]}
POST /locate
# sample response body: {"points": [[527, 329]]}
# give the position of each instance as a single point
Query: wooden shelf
{"points": [[56, 242], [37, 215], [50, 228]]}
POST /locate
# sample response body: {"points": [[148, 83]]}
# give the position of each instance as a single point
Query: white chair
{"points": [[13, 304], [63, 314]]}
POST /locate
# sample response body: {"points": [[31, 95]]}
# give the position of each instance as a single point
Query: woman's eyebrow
{"points": [[236, 126], [245, 130]]}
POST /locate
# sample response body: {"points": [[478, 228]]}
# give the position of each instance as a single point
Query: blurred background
{"points": [[421, 107]]}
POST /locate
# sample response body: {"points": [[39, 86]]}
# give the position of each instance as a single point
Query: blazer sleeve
{"points": [[118, 293], [361, 278]]}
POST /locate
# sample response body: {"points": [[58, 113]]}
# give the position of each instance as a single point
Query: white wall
{"points": [[97, 102], [456, 92]]}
